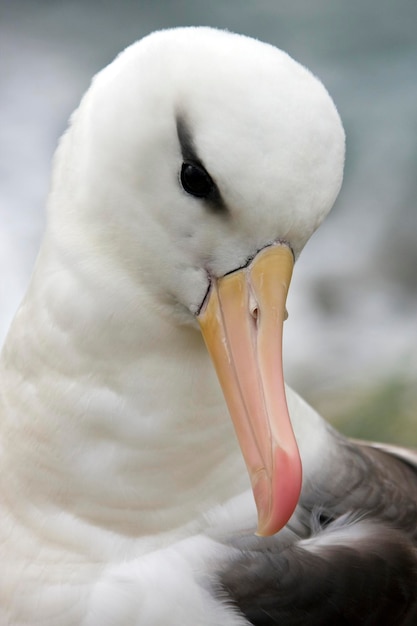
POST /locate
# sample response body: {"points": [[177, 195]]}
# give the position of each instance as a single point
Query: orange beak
{"points": [[242, 322]]}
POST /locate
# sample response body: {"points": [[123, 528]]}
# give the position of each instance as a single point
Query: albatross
{"points": [[154, 468]]}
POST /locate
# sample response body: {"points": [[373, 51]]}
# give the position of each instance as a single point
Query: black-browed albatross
{"points": [[194, 171]]}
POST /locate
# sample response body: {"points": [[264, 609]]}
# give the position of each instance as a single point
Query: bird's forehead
{"points": [[230, 89], [197, 65]]}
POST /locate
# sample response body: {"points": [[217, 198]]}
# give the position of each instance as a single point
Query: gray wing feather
{"points": [[348, 555], [339, 580]]}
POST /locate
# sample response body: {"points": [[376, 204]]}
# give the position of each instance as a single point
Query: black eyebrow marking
{"points": [[189, 155], [186, 142]]}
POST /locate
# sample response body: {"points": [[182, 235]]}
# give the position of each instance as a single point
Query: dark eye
{"points": [[195, 180]]}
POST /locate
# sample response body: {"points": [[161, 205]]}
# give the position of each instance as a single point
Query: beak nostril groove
{"points": [[253, 308]]}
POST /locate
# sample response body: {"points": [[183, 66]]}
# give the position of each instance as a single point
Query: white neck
{"points": [[112, 411], [108, 409]]}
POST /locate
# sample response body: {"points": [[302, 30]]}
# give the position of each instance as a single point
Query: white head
{"points": [[262, 126]]}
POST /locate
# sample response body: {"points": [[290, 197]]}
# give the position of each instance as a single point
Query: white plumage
{"points": [[121, 477]]}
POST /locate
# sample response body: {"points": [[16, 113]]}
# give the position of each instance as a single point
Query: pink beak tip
{"points": [[277, 498]]}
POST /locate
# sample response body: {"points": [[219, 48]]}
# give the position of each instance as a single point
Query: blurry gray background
{"points": [[351, 338]]}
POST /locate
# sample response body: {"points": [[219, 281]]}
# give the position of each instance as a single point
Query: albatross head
{"points": [[208, 159]]}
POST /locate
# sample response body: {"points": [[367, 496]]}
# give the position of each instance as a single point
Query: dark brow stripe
{"points": [[215, 201], [186, 141]]}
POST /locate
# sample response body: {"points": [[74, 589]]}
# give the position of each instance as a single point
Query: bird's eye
{"points": [[195, 180]]}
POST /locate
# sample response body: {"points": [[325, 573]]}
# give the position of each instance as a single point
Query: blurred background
{"points": [[351, 337]]}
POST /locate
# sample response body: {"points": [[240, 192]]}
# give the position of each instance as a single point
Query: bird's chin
{"points": [[183, 315]]}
